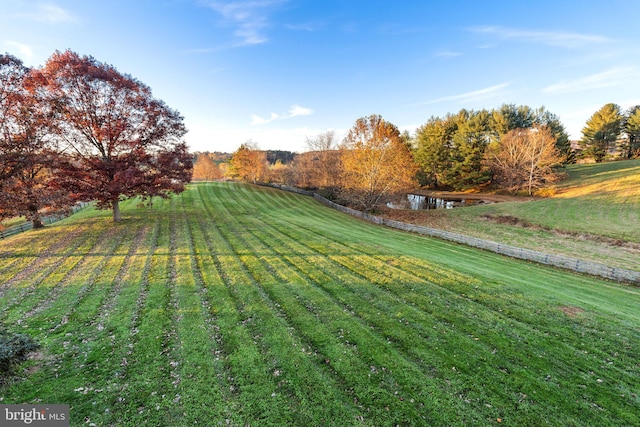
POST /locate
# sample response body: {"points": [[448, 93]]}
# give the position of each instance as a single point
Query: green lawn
{"points": [[595, 215], [239, 305]]}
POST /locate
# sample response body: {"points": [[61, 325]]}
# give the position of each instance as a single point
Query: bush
{"points": [[14, 349]]}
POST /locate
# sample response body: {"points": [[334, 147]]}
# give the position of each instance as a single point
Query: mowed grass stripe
{"points": [[33, 252], [85, 359], [298, 379], [454, 296], [371, 347], [255, 382], [204, 375], [395, 321], [582, 290], [26, 294], [306, 379], [148, 396]]}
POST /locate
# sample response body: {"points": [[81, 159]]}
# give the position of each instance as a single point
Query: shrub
{"points": [[14, 349]]}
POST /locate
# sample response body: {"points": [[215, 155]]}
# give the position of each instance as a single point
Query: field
{"points": [[594, 216], [238, 305]]}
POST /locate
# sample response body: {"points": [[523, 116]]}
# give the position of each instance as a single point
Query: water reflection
{"points": [[417, 202]]}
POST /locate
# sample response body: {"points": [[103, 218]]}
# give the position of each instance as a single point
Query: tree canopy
{"points": [[121, 141], [248, 163], [601, 132], [375, 161], [27, 150], [451, 150], [205, 169], [524, 159]]}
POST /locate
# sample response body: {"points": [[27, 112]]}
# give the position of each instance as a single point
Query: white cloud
{"points": [[297, 110], [447, 54], [614, 77], [294, 111], [23, 49], [53, 14], [257, 120], [474, 96], [306, 26], [552, 38], [249, 17]]}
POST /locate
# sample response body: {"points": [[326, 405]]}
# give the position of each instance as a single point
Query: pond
{"points": [[417, 202]]}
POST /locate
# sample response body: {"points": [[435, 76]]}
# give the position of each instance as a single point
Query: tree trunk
{"points": [[116, 211], [34, 216]]}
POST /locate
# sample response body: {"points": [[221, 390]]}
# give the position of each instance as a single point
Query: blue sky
{"points": [[278, 71]]}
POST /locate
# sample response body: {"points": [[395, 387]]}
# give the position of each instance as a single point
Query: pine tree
{"points": [[632, 129], [601, 132]]}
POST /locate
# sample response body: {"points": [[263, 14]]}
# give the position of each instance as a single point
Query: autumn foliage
{"points": [[524, 159], [248, 163], [27, 153], [77, 129], [375, 162], [121, 141], [205, 169]]}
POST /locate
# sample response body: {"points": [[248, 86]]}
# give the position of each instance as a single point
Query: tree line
{"points": [[516, 149], [612, 132], [77, 129]]}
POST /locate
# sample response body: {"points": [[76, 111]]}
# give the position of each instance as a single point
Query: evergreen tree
{"points": [[432, 151], [602, 131], [632, 130], [468, 146]]}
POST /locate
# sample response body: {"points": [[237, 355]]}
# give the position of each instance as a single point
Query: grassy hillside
{"points": [[595, 215], [238, 305]]}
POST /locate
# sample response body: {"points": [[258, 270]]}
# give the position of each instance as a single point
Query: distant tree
{"points": [[524, 159], [248, 163], [450, 150], [632, 130], [375, 162], [278, 172], [601, 132], [205, 168], [510, 116], [466, 168], [563, 143], [433, 149], [323, 160], [282, 156], [324, 141], [121, 141]]}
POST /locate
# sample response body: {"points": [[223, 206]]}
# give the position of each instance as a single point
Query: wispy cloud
{"points": [[249, 17], [447, 54], [307, 26], [48, 13], [474, 96], [24, 50], [551, 38], [294, 111], [54, 14], [614, 77]]}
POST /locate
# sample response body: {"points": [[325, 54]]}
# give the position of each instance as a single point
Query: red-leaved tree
{"points": [[121, 141], [12, 74], [27, 152]]}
